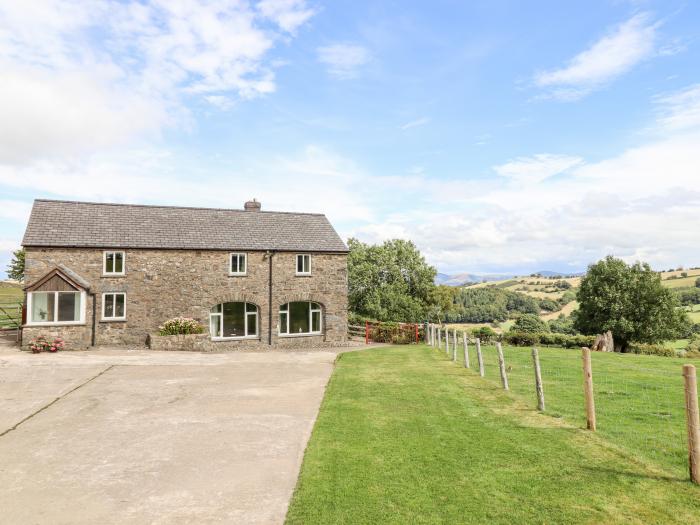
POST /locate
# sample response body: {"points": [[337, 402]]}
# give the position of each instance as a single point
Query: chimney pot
{"points": [[252, 206]]}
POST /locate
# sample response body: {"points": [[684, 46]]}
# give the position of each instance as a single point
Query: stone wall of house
{"points": [[161, 284]]}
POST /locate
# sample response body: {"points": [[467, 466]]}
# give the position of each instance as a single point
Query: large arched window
{"points": [[300, 318], [233, 321]]}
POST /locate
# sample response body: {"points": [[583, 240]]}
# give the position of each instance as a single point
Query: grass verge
{"points": [[406, 436]]}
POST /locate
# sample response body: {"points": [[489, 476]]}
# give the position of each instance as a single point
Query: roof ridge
{"points": [[92, 203]]}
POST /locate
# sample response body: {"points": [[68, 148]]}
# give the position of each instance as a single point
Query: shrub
{"points": [[697, 282], [521, 338], [647, 349], [42, 344], [484, 333], [181, 325], [531, 324]]}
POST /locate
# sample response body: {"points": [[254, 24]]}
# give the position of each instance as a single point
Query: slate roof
{"points": [[99, 225]]}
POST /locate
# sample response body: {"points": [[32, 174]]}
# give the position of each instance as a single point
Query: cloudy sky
{"points": [[499, 136]]}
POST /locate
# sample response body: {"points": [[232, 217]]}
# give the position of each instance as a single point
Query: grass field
{"points": [[10, 295], [693, 312], [406, 436]]}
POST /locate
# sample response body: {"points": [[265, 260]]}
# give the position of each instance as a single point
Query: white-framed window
{"points": [[55, 308], [113, 263], [303, 264], [238, 264], [237, 320], [113, 306], [300, 318]]}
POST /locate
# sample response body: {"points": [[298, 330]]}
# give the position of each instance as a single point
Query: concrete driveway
{"points": [[154, 437]]}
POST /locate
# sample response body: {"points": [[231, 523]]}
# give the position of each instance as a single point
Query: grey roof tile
{"points": [[100, 225]]}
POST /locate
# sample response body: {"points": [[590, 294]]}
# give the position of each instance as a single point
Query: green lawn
{"points": [[10, 295], [406, 436]]}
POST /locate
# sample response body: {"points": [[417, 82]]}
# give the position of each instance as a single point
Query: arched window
{"points": [[233, 321], [300, 318]]}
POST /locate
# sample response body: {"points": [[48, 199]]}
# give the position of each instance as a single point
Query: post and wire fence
{"points": [[648, 403]]}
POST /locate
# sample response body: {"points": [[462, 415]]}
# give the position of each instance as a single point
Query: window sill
{"points": [[115, 320], [65, 323], [302, 274], [308, 334], [113, 275], [243, 338], [238, 274]]}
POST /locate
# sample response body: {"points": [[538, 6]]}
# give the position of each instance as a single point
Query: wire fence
{"points": [[640, 401]]}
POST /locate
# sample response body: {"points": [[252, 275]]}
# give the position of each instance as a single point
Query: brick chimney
{"points": [[252, 206]]}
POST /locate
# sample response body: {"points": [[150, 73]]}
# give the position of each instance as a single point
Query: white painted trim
{"points": [[311, 312], [102, 314], [246, 313], [105, 273], [296, 263], [83, 306], [238, 274]]}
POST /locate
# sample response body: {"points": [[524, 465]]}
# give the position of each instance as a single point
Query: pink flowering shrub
{"points": [[42, 344], [180, 325]]}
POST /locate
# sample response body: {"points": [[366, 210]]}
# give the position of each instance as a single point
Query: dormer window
{"points": [[238, 264], [113, 263], [303, 264]]}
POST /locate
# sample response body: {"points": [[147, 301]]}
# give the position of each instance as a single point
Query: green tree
{"points": [[530, 324], [389, 282], [697, 282], [630, 301], [15, 270]]}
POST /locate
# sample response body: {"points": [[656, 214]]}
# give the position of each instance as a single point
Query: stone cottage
{"points": [[101, 274]]}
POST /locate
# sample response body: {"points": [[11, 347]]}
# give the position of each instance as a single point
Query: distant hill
{"points": [[460, 279]]}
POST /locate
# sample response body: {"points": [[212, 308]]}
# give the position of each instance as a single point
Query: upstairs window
{"points": [[303, 264], [114, 306], [238, 264], [233, 321], [113, 263], [300, 318]]}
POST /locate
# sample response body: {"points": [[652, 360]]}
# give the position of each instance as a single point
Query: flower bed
{"points": [[42, 344]]}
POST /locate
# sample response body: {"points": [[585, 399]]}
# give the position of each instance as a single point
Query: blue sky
{"points": [[499, 136]]}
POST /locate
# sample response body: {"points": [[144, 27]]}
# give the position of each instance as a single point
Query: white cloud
{"points": [[613, 55], [415, 123], [80, 76], [343, 60], [680, 110], [288, 14], [536, 168]]}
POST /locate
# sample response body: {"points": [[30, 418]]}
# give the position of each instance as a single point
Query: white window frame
{"points": [[104, 262], [246, 313], [113, 318], [30, 298], [230, 263], [311, 316], [296, 264]]}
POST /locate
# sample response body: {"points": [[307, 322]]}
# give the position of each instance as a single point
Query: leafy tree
{"points": [[389, 282], [697, 282], [630, 301], [15, 270], [484, 333], [562, 325], [530, 324], [549, 305]]}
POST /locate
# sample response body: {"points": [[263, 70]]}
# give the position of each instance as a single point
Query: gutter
{"points": [[94, 317]]}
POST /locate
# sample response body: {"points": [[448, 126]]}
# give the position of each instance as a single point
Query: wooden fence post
{"points": [[538, 380], [693, 419], [479, 357], [366, 332], [588, 389], [439, 338], [447, 341], [454, 345], [502, 366], [466, 350]]}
